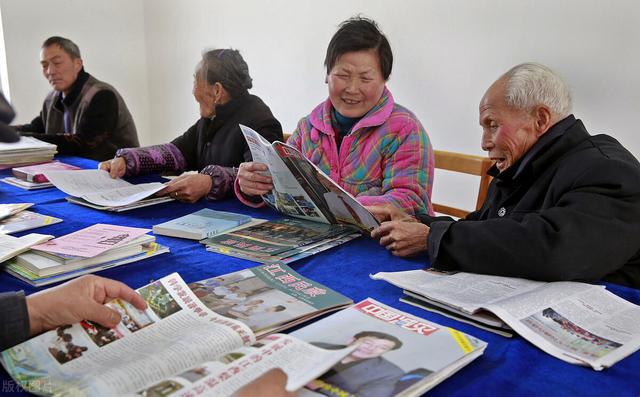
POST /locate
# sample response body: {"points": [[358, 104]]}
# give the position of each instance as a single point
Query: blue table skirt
{"points": [[508, 366]]}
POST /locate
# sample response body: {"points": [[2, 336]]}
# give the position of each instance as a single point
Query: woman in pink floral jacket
{"points": [[372, 147]]}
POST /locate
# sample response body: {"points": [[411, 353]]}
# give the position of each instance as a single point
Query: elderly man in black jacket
{"points": [[563, 204]]}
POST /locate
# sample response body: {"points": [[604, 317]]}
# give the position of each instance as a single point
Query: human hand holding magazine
{"points": [[177, 344], [302, 190]]}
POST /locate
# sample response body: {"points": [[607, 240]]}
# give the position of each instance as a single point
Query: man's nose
{"points": [[486, 142]]}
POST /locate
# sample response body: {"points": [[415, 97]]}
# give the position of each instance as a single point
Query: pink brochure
{"points": [[91, 241]]}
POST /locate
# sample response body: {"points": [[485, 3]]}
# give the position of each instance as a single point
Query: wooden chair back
{"points": [[466, 164]]}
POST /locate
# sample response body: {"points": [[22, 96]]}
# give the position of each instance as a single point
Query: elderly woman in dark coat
{"points": [[214, 145]]}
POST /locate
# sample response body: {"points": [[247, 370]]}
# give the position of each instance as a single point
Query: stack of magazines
{"points": [[88, 250], [32, 176], [284, 240], [27, 150]]}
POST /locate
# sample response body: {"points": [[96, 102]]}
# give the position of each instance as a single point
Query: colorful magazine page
{"points": [[395, 353], [92, 241], [268, 297]]}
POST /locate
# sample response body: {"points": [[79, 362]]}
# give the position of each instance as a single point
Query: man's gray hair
{"points": [[531, 84], [67, 45]]}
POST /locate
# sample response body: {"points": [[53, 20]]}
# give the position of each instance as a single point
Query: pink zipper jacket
{"points": [[387, 158]]}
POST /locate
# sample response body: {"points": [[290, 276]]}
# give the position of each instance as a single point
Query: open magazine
{"points": [[176, 345], [268, 298], [396, 354], [578, 323], [301, 189], [96, 189]]}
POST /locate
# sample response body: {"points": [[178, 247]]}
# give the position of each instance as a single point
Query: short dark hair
{"points": [[67, 45], [380, 335], [359, 34], [227, 67]]}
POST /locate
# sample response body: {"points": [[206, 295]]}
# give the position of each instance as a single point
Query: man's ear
{"points": [[543, 119], [78, 64], [326, 79]]}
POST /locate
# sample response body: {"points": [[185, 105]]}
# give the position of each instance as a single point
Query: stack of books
{"points": [[284, 240], [201, 224], [27, 150], [32, 177], [88, 250]]}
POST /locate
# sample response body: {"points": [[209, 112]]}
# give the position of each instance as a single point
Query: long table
{"points": [[509, 366]]}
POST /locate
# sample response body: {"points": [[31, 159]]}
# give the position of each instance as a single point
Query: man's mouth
{"points": [[500, 162]]}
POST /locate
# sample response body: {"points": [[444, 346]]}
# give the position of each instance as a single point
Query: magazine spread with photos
{"points": [[302, 190], [280, 241], [395, 353], [578, 323], [268, 298], [165, 348]]}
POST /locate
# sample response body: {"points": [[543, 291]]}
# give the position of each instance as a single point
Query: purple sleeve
{"points": [[222, 180], [151, 159]]}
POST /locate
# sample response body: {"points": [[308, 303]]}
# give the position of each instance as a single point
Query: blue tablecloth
{"points": [[508, 366]]}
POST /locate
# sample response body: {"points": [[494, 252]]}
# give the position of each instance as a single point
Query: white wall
{"points": [[111, 38], [446, 54]]}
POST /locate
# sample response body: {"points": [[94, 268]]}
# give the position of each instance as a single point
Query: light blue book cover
{"points": [[201, 224]]}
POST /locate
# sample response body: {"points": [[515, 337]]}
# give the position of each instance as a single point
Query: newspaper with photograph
{"points": [[171, 340], [579, 323], [302, 190], [395, 353], [268, 298]]}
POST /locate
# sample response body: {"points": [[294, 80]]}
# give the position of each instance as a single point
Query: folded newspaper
{"points": [[578, 323], [302, 190]]}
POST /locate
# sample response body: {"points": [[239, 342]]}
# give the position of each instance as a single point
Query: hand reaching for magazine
{"points": [[402, 238], [77, 300], [116, 167], [188, 188], [251, 180]]}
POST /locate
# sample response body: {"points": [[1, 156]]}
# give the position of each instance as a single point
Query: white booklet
{"points": [[97, 187], [302, 190], [12, 246], [578, 323]]}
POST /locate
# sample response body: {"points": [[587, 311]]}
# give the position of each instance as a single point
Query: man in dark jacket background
{"points": [[82, 115], [563, 205]]}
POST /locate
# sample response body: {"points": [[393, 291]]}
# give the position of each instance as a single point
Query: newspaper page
{"points": [[97, 187], [578, 323], [174, 333], [301, 361], [575, 322], [395, 353], [287, 195]]}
